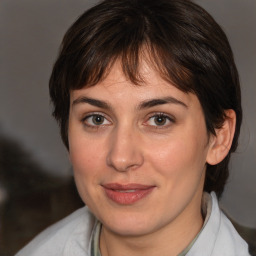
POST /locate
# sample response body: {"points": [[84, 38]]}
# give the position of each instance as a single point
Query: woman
{"points": [[147, 97]]}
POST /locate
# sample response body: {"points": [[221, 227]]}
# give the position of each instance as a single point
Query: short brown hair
{"points": [[186, 46]]}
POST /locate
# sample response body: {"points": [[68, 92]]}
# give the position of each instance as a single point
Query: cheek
{"points": [[84, 156], [83, 151], [179, 157], [87, 169]]}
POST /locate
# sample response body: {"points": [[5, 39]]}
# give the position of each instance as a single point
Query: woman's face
{"points": [[139, 153]]}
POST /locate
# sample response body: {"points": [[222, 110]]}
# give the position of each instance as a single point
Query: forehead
{"points": [[117, 92], [118, 84]]}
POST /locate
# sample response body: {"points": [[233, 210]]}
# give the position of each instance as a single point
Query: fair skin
{"points": [[151, 142]]}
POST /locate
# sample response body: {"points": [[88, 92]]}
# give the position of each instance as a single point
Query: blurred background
{"points": [[36, 184]]}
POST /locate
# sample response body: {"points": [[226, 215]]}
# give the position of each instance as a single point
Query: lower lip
{"points": [[127, 198]]}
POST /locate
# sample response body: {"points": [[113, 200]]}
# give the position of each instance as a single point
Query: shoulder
{"points": [[70, 236], [218, 236], [229, 240]]}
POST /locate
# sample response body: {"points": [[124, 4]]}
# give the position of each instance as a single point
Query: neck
{"points": [[171, 239]]}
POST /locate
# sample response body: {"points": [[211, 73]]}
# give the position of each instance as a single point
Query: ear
{"points": [[220, 144]]}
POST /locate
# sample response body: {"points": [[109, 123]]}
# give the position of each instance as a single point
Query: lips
{"points": [[127, 194]]}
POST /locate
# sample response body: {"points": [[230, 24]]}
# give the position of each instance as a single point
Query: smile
{"points": [[127, 194], [126, 191]]}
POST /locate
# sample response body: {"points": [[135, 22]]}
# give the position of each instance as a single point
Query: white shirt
{"points": [[72, 236]]}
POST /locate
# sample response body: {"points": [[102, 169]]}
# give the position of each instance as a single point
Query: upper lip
{"points": [[130, 186]]}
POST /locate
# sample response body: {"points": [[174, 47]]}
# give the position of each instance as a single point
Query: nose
{"points": [[125, 150]]}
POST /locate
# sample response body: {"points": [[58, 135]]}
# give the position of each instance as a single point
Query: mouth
{"points": [[127, 194]]}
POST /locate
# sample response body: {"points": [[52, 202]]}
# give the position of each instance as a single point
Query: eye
{"points": [[95, 120], [160, 120]]}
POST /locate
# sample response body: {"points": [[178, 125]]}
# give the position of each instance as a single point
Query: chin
{"points": [[129, 224]]}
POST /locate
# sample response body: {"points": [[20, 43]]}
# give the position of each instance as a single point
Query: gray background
{"points": [[30, 34]]}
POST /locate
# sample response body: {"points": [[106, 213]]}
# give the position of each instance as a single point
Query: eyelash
{"points": [[151, 116], [95, 126], [161, 115]]}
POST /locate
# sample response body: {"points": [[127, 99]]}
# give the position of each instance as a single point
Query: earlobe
{"points": [[221, 143]]}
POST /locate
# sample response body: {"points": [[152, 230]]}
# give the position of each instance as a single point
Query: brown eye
{"points": [[160, 120], [97, 119]]}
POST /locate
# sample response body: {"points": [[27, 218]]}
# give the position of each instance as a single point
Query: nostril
{"points": [[129, 161]]}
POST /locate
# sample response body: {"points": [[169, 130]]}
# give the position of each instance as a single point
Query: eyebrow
{"points": [[143, 105], [161, 101], [91, 101]]}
